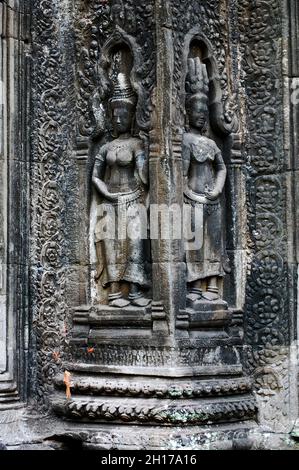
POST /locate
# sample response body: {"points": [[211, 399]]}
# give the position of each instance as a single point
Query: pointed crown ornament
{"points": [[197, 84], [123, 93]]}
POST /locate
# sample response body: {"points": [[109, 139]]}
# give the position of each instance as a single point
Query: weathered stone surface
{"points": [[170, 104]]}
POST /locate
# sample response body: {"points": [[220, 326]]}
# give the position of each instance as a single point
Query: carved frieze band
{"points": [[173, 390], [170, 413]]}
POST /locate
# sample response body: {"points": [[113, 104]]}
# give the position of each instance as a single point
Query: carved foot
{"points": [[141, 302], [211, 296], [138, 299], [193, 296], [117, 300], [120, 303]]}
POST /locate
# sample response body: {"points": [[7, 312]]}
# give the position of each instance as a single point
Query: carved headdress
{"points": [[197, 84], [123, 93]]}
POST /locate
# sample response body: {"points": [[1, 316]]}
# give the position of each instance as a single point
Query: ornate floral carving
{"points": [[267, 268], [95, 23], [208, 18], [49, 154], [265, 310], [267, 230], [267, 328]]}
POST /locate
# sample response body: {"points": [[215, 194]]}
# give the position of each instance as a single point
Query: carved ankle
{"points": [[211, 294], [194, 294], [138, 299]]}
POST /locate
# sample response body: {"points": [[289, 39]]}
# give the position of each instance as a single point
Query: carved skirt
{"points": [[204, 248], [121, 238]]}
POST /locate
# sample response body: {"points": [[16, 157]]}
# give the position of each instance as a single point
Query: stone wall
{"points": [[238, 373]]}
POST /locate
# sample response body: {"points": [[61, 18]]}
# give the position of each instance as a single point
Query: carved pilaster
{"points": [[165, 171], [269, 285], [14, 171], [291, 111]]}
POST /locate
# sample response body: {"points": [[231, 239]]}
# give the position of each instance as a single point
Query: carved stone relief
{"points": [[180, 106], [50, 161], [128, 152], [267, 304], [120, 176], [205, 174]]}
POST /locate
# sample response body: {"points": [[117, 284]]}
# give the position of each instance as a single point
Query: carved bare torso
{"points": [[202, 163], [205, 174], [120, 176], [121, 165]]}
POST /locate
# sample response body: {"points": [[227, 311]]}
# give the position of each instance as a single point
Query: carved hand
{"points": [[102, 188], [113, 197], [212, 195]]}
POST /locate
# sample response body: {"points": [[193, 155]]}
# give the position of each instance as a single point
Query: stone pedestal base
{"points": [[160, 401], [203, 316], [102, 323], [123, 370]]}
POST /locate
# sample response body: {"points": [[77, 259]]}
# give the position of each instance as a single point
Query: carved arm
{"points": [[97, 179], [186, 155], [142, 166], [221, 173]]}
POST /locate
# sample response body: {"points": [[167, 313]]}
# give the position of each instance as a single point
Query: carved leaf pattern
{"points": [[267, 309]]}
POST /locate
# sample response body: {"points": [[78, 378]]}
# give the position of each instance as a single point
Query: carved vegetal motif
{"points": [[87, 53], [267, 299], [95, 24], [268, 229], [49, 151]]}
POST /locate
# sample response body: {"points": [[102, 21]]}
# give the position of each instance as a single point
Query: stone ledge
{"points": [[156, 411], [160, 388], [28, 431]]}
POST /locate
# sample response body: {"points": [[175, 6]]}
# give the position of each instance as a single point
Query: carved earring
{"points": [[133, 126], [187, 124], [206, 127], [110, 125]]}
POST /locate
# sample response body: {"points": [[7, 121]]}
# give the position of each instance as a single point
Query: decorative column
{"points": [[14, 201], [166, 179]]}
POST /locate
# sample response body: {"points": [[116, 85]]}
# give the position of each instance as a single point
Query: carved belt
{"points": [[125, 198]]}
